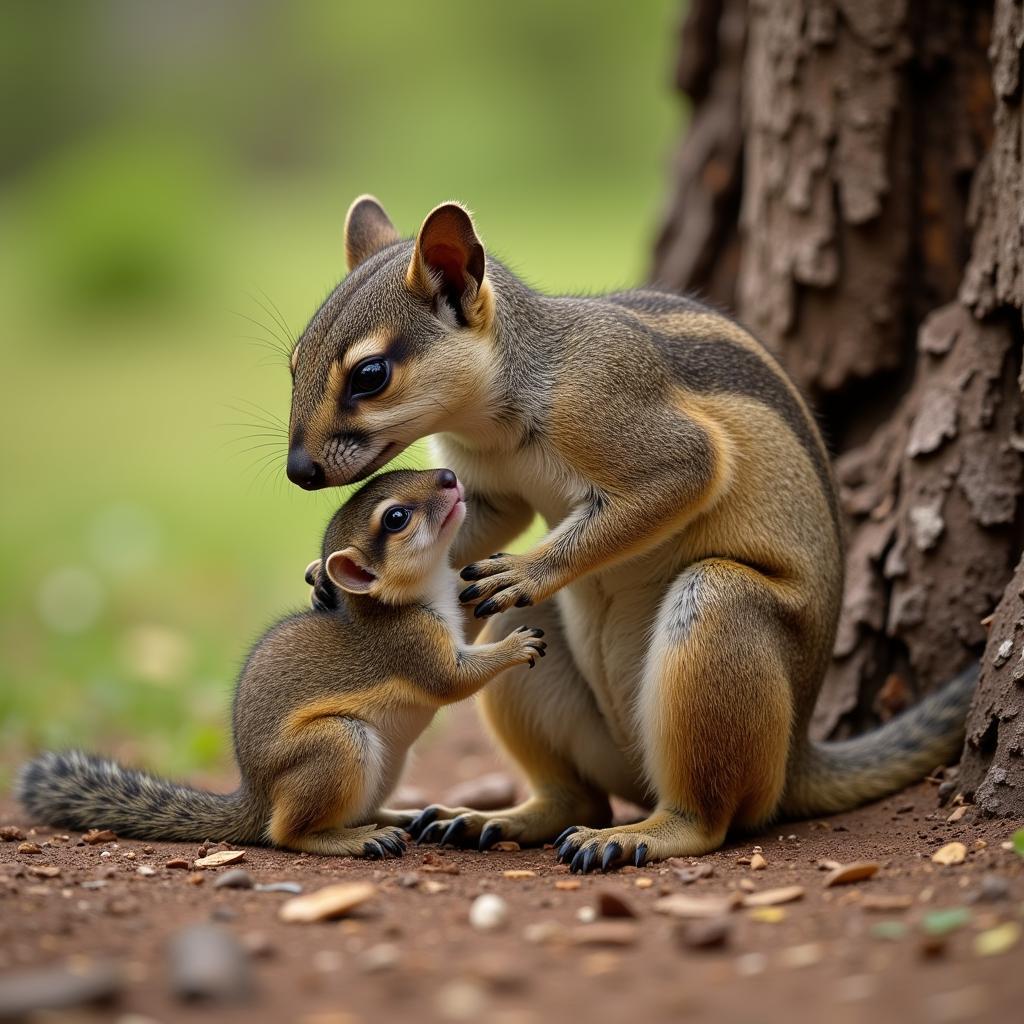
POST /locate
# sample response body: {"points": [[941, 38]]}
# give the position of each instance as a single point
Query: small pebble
{"points": [[488, 912], [993, 889], [461, 1000], [258, 944], [28, 993], [712, 933], [950, 855], [237, 878], [208, 964], [289, 887], [385, 956], [29, 848], [177, 864], [11, 834]]}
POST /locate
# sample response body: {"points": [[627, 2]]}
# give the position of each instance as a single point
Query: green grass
{"points": [[138, 498]]}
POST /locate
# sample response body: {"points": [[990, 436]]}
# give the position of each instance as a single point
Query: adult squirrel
{"points": [[327, 703], [692, 575]]}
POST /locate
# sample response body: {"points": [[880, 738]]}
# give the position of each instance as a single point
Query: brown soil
{"points": [[827, 958]]}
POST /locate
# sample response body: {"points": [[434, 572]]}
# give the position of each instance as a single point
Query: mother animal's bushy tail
{"points": [[81, 791], [833, 777]]}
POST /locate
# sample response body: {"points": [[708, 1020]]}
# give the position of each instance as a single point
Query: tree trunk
{"points": [[852, 183]]}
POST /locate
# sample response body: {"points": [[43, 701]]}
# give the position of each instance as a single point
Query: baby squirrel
{"points": [[328, 702], [691, 579]]}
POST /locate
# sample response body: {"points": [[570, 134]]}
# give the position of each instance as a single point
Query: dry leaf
{"points": [[220, 859], [682, 905], [326, 904], [846, 874], [773, 897]]}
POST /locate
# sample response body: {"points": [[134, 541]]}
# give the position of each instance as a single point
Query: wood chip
{"points": [[568, 884], [950, 854], [958, 813], [846, 874], [177, 864], [773, 897], [327, 904], [519, 873], [29, 848], [643, 883], [758, 863], [680, 904], [886, 903], [95, 836], [45, 871], [605, 933], [432, 887], [507, 846], [219, 859], [610, 904], [692, 872]]}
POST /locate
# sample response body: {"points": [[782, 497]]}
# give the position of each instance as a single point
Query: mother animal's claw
{"points": [[612, 852], [454, 830], [426, 817], [490, 835], [565, 835]]}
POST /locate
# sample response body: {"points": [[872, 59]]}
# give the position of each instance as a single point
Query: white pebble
{"points": [[488, 912], [751, 964], [586, 915], [461, 1000]]}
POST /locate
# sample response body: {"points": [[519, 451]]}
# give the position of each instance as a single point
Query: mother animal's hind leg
{"points": [[714, 717], [546, 719]]}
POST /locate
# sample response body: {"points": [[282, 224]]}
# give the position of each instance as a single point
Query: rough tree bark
{"points": [[851, 183]]}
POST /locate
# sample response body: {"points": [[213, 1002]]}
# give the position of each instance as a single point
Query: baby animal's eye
{"points": [[370, 377], [396, 519]]}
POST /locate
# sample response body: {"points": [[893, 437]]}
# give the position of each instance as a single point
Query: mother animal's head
{"points": [[400, 349]]}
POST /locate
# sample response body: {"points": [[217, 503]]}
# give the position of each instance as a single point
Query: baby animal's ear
{"points": [[344, 569]]}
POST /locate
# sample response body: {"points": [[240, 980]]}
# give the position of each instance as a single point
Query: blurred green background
{"points": [[173, 181]]}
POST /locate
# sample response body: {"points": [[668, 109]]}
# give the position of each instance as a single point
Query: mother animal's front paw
{"points": [[499, 583]]}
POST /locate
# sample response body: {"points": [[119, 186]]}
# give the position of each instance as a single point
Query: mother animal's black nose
{"points": [[302, 470], [446, 479]]}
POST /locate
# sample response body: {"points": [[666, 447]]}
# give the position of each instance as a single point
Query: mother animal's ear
{"points": [[368, 229], [344, 569], [449, 260]]}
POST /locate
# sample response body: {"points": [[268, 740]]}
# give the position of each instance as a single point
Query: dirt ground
{"points": [[948, 948]]}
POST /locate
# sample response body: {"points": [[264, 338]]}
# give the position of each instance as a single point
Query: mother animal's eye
{"points": [[370, 377], [396, 519]]}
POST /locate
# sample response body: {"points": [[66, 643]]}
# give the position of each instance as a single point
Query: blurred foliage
{"points": [[173, 179]]}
